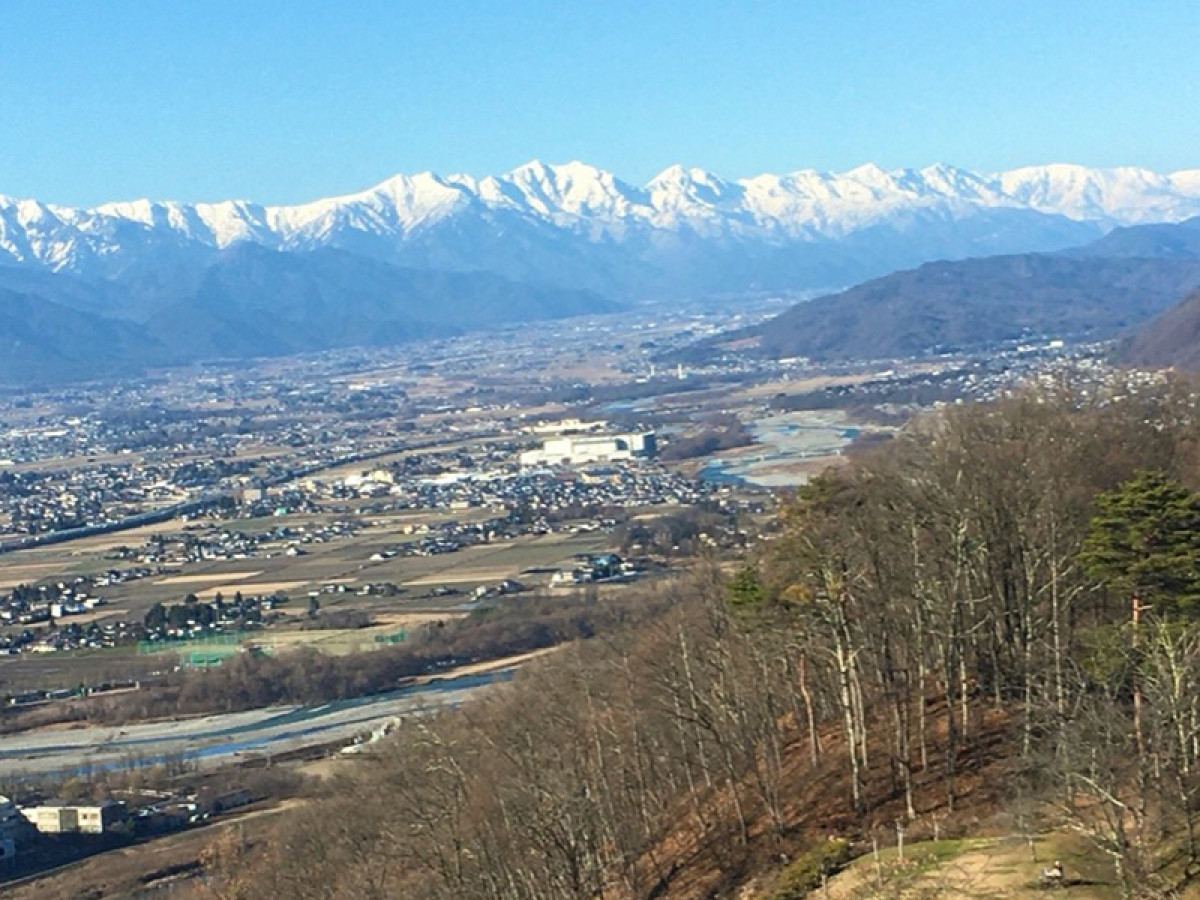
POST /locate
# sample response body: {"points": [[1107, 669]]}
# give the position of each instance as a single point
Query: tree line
{"points": [[1015, 580]]}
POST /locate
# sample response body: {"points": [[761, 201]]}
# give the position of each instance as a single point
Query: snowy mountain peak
{"points": [[539, 210], [869, 173]]}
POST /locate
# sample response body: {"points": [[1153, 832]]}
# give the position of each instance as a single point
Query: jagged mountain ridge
{"points": [[685, 231]]}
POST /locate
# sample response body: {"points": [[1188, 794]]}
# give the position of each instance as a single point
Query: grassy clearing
{"points": [[980, 868], [340, 641]]}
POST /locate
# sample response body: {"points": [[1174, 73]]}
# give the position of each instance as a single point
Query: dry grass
{"points": [[209, 577], [997, 869], [254, 587]]}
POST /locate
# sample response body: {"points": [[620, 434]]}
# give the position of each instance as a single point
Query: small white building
{"points": [[75, 817]]}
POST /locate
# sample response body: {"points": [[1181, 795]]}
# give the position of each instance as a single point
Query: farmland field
{"points": [[426, 588]]}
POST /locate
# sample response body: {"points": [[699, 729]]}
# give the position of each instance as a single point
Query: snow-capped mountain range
{"points": [[574, 225], [111, 290]]}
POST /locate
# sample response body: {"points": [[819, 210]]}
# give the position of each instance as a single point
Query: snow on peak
{"points": [[677, 189], [587, 201], [1125, 195]]}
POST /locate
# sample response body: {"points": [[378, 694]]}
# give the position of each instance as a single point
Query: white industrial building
{"points": [[579, 449]]}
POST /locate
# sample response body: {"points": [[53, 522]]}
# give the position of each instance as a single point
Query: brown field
{"points": [[103, 542], [101, 612], [11, 576], [251, 587], [338, 642], [206, 579], [460, 576]]}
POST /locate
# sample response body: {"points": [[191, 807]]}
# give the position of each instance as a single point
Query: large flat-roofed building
{"points": [[580, 449], [75, 817]]}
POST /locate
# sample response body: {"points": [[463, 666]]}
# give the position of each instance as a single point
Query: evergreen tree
{"points": [[1145, 542], [155, 618]]}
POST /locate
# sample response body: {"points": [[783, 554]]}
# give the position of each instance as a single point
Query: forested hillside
{"points": [[968, 304], [985, 627], [1171, 338]]}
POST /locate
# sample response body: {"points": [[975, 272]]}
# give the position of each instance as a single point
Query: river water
{"points": [[782, 442], [216, 740]]}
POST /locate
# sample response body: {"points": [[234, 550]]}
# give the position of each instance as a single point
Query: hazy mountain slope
{"points": [[259, 302], [249, 301], [101, 298], [42, 341], [1171, 339], [1160, 241], [1096, 290], [685, 231], [971, 303]]}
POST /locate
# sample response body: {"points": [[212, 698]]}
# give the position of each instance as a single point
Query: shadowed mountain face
{"points": [[1095, 292], [1169, 340], [246, 302], [43, 341], [1161, 241], [256, 302]]}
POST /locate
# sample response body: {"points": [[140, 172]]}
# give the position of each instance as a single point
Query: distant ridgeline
{"points": [[1098, 292], [112, 290]]}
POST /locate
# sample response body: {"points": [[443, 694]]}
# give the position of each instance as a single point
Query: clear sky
{"points": [[283, 101]]}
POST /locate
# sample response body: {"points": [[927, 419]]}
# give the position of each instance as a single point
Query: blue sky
{"points": [[288, 100]]}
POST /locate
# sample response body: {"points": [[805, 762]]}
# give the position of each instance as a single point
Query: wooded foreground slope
{"points": [[938, 638]]}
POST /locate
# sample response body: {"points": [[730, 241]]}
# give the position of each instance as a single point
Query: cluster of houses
{"points": [[41, 500], [551, 490], [602, 568], [26, 607], [72, 636], [188, 620], [199, 618], [31, 605], [224, 544]]}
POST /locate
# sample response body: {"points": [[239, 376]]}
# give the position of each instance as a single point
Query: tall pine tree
{"points": [[1145, 542]]}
